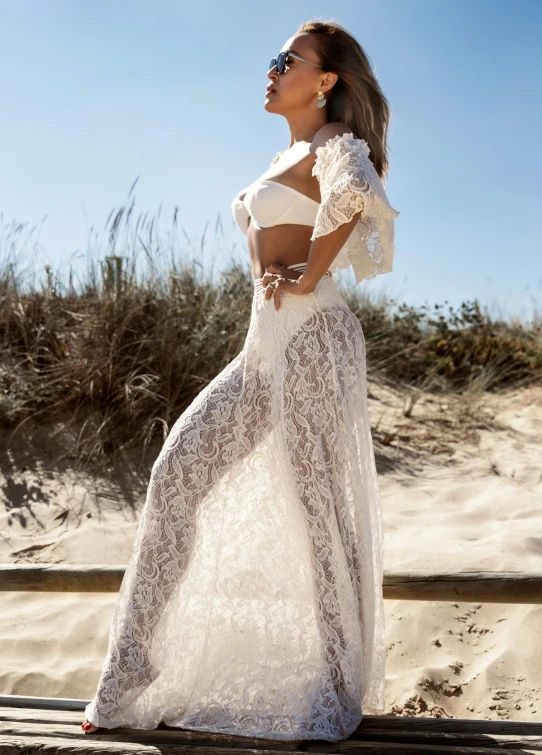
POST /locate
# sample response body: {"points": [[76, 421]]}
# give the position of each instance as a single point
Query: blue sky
{"points": [[99, 94]]}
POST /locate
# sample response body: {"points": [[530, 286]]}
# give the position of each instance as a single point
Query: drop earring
{"points": [[321, 100]]}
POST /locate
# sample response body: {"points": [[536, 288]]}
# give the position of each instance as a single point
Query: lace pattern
{"points": [[252, 602], [276, 158], [349, 183]]}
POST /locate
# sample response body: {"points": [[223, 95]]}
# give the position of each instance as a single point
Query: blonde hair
{"points": [[356, 99]]}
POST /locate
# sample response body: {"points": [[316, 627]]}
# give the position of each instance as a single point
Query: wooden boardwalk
{"points": [[45, 726], [51, 726]]}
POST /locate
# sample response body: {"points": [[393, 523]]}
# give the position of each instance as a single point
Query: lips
{"points": [[270, 89]]}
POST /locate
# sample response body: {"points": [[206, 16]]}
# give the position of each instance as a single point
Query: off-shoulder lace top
{"points": [[349, 183]]}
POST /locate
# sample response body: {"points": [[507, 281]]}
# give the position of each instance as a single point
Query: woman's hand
{"points": [[278, 279]]}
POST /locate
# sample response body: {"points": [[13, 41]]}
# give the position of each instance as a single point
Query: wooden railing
{"points": [[469, 586]]}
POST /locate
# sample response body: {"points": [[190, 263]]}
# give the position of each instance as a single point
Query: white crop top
{"points": [[349, 184], [268, 202]]}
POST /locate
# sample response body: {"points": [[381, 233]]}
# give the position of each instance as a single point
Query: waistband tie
{"points": [[299, 266]]}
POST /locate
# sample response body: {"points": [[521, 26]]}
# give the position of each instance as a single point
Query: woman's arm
{"points": [[325, 248], [323, 251], [354, 222]]}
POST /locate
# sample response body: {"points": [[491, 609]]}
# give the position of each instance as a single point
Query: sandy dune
{"points": [[461, 484]]}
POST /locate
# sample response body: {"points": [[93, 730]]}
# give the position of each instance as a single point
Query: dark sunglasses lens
{"points": [[272, 64], [281, 64]]}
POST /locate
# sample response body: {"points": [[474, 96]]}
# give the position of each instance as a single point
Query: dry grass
{"points": [[115, 355]]}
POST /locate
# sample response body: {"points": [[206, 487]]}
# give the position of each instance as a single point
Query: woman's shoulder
{"points": [[327, 132], [336, 148], [334, 142]]}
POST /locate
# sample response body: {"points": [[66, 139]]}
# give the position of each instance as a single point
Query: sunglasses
{"points": [[283, 59]]}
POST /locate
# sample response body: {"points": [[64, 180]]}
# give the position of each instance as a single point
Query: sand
{"points": [[461, 486]]}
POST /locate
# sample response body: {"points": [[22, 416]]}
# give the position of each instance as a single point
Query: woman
{"points": [[252, 602]]}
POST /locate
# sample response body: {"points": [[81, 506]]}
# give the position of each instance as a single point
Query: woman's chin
{"points": [[270, 105]]}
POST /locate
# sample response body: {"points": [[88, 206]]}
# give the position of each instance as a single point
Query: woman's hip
{"points": [[322, 319]]}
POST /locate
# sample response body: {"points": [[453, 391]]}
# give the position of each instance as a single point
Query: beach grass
{"points": [[118, 347]]}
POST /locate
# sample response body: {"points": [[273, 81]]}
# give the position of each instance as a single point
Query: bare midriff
{"points": [[285, 244], [289, 243]]}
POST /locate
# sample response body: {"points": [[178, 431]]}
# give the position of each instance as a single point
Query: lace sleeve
{"points": [[349, 183], [277, 157]]}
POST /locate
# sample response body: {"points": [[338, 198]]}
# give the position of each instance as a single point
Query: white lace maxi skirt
{"points": [[252, 602]]}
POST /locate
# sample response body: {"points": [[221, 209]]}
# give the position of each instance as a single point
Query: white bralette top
{"points": [[269, 203]]}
